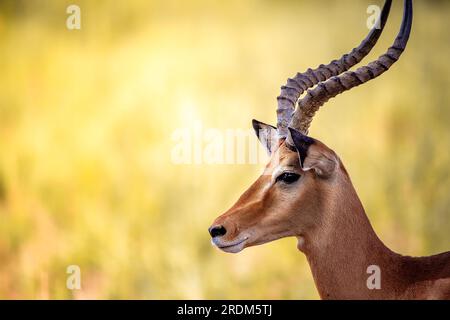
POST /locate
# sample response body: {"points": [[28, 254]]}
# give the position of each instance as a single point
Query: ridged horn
{"points": [[295, 87], [324, 91]]}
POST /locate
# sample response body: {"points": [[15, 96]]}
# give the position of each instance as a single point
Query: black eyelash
{"points": [[288, 177]]}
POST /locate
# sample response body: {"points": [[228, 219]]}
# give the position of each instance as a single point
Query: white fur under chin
{"points": [[229, 247]]}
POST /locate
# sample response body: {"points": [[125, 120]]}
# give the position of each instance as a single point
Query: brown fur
{"points": [[324, 212]]}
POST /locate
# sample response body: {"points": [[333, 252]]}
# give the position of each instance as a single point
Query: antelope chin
{"points": [[235, 246]]}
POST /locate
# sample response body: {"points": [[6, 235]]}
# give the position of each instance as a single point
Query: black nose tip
{"points": [[217, 231]]}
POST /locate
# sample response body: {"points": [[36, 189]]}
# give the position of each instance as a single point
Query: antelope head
{"points": [[303, 176]]}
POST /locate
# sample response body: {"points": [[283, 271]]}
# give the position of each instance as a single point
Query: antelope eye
{"points": [[288, 177]]}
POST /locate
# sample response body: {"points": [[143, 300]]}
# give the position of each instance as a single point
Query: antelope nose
{"points": [[217, 231]]}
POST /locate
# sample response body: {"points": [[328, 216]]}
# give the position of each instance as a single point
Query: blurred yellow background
{"points": [[86, 119]]}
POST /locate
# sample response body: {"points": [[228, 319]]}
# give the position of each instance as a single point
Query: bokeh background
{"points": [[86, 119]]}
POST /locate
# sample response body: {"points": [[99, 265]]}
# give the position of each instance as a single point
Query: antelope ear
{"points": [[267, 135], [314, 155]]}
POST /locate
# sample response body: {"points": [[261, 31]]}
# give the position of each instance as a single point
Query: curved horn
{"points": [[291, 92], [315, 98]]}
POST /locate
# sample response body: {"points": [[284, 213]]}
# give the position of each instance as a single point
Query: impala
{"points": [[306, 192]]}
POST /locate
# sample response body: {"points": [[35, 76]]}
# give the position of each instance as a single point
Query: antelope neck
{"points": [[340, 250]]}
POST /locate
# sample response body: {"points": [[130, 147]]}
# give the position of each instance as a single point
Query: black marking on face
{"points": [[302, 143]]}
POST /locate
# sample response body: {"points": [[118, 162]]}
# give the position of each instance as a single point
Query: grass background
{"points": [[86, 119]]}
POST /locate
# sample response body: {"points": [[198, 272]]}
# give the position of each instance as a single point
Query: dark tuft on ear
{"points": [[267, 134], [302, 143], [258, 126]]}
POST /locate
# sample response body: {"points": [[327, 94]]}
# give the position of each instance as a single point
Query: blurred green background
{"points": [[86, 118]]}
